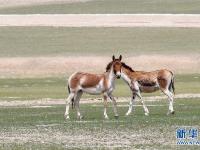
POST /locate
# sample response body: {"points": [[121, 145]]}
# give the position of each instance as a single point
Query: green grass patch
{"points": [[110, 6], [186, 114], [51, 41], [33, 88], [46, 128], [56, 87]]}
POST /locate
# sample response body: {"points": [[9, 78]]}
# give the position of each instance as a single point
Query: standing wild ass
{"points": [[148, 82], [81, 82]]}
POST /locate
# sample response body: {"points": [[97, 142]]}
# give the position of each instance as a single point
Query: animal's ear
{"points": [[113, 57], [120, 57]]}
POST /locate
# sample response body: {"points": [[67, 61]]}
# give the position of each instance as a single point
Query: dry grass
{"points": [[48, 66], [84, 139]]}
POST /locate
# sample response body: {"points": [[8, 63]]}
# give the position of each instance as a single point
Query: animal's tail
{"points": [[171, 86], [72, 98]]}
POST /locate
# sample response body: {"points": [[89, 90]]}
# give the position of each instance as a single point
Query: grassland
{"points": [[27, 127], [50, 41], [55, 87], [110, 6], [45, 128]]}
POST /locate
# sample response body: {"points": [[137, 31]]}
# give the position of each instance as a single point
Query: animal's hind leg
{"points": [[171, 100], [105, 106], [68, 102], [146, 111], [77, 100]]}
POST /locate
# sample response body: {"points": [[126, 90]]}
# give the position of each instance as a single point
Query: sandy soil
{"points": [[48, 66], [102, 20], [12, 3]]}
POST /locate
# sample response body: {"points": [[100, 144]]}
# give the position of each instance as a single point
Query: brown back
{"points": [[86, 80]]}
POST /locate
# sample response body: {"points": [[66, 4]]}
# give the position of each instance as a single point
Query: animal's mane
{"points": [[127, 67], [109, 66], [123, 64]]}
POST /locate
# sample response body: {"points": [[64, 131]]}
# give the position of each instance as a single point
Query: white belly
{"points": [[98, 89], [93, 90]]}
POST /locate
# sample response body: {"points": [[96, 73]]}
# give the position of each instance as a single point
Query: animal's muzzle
{"points": [[118, 76]]}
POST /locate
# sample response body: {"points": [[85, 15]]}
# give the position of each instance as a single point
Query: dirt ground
{"points": [[11, 3], [102, 20], [48, 66]]}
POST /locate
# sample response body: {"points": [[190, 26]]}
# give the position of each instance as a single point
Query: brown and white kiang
{"points": [[95, 84], [148, 82]]}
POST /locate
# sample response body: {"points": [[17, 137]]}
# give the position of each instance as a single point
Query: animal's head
{"points": [[116, 64]]}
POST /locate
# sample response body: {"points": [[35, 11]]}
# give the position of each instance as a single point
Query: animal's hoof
{"points": [[106, 117], [67, 117], [127, 114], [80, 117], [169, 113], [146, 114], [116, 117]]}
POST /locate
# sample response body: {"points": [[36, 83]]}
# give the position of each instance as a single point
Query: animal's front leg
{"points": [[111, 97], [136, 90], [132, 101], [146, 111]]}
